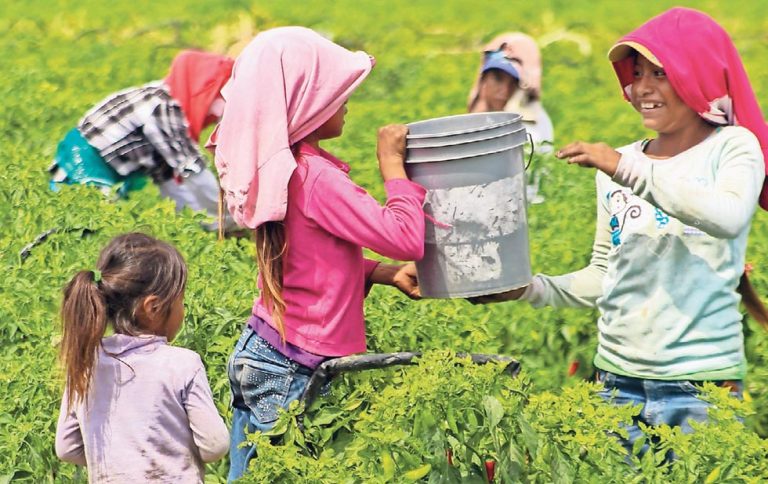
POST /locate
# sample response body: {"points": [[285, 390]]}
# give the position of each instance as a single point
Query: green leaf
{"points": [[493, 410]]}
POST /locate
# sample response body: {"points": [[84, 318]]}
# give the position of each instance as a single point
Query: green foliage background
{"points": [[60, 57]]}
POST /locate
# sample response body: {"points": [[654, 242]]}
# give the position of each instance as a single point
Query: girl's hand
{"points": [[402, 277], [594, 155], [511, 295], [407, 280], [390, 151]]}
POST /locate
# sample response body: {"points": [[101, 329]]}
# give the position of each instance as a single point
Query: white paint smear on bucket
{"points": [[472, 262], [476, 213]]}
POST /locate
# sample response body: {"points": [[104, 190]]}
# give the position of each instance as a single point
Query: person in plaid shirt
{"points": [[151, 131]]}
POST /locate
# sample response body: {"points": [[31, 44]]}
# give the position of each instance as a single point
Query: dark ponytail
{"points": [[84, 314], [752, 302]]}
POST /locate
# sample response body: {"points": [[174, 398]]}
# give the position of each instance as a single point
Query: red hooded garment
{"points": [[195, 80], [703, 66]]}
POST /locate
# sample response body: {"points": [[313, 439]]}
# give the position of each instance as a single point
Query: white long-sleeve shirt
{"points": [[669, 250], [149, 416]]}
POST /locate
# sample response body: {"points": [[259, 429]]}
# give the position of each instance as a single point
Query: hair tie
{"points": [[96, 276]]}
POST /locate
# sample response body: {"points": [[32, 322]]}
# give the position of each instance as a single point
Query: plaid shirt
{"points": [[143, 129]]}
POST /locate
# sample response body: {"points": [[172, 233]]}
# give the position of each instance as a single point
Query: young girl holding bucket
{"points": [[288, 92], [673, 215], [135, 409]]}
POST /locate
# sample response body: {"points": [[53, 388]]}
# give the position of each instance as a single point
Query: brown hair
{"points": [[270, 248], [130, 268], [752, 302]]}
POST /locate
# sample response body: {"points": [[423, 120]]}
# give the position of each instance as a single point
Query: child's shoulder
{"points": [[181, 357], [737, 133]]}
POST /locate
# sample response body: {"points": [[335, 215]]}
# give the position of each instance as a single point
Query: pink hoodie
{"points": [[285, 84]]}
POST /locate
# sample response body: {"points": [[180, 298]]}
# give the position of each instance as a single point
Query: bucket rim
{"points": [[464, 142], [516, 119], [463, 157]]}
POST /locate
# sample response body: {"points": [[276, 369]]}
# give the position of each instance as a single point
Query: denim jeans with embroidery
{"points": [[262, 380], [671, 402]]}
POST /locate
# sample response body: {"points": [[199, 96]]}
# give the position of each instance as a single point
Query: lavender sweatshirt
{"points": [[149, 416]]}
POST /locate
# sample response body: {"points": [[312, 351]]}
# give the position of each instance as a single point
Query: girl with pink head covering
{"points": [[288, 92], [673, 216], [509, 79]]}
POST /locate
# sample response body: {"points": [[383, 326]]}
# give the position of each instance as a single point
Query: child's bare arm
{"points": [[402, 276]]}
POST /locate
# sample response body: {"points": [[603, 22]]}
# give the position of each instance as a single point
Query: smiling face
{"points": [[656, 100]]}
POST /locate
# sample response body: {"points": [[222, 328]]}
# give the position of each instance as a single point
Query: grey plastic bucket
{"points": [[477, 231]]}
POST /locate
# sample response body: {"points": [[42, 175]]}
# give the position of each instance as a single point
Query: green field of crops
{"points": [[57, 58]]}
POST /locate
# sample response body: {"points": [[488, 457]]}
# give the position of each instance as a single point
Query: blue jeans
{"points": [[671, 402], [262, 380]]}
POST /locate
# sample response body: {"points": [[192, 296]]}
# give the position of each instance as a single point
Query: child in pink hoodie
{"points": [[287, 93]]}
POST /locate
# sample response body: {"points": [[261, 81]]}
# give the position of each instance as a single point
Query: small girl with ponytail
{"points": [[135, 409]]}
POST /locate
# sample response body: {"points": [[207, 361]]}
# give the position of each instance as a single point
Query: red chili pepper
{"points": [[490, 469], [573, 367], [449, 455]]}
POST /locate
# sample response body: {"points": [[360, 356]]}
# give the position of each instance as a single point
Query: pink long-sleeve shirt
{"points": [[149, 416], [329, 220]]}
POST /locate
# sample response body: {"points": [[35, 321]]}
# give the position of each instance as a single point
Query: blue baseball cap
{"points": [[496, 59]]}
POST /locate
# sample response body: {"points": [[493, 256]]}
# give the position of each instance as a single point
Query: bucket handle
{"points": [[530, 157]]}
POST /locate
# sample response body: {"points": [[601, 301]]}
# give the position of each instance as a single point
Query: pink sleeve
{"points": [[69, 440], [395, 230], [370, 266]]}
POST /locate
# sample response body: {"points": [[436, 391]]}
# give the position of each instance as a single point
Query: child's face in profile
{"points": [[657, 102], [334, 126]]}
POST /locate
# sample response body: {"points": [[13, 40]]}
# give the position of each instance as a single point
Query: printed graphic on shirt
{"points": [[662, 219], [623, 209]]}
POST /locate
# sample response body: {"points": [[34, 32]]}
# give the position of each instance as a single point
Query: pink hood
{"points": [[703, 66], [285, 84]]}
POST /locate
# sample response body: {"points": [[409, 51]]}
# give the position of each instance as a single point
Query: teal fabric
{"points": [[83, 165]]}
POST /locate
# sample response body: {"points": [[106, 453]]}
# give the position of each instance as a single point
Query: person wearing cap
{"points": [[509, 80], [151, 131], [673, 216]]}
